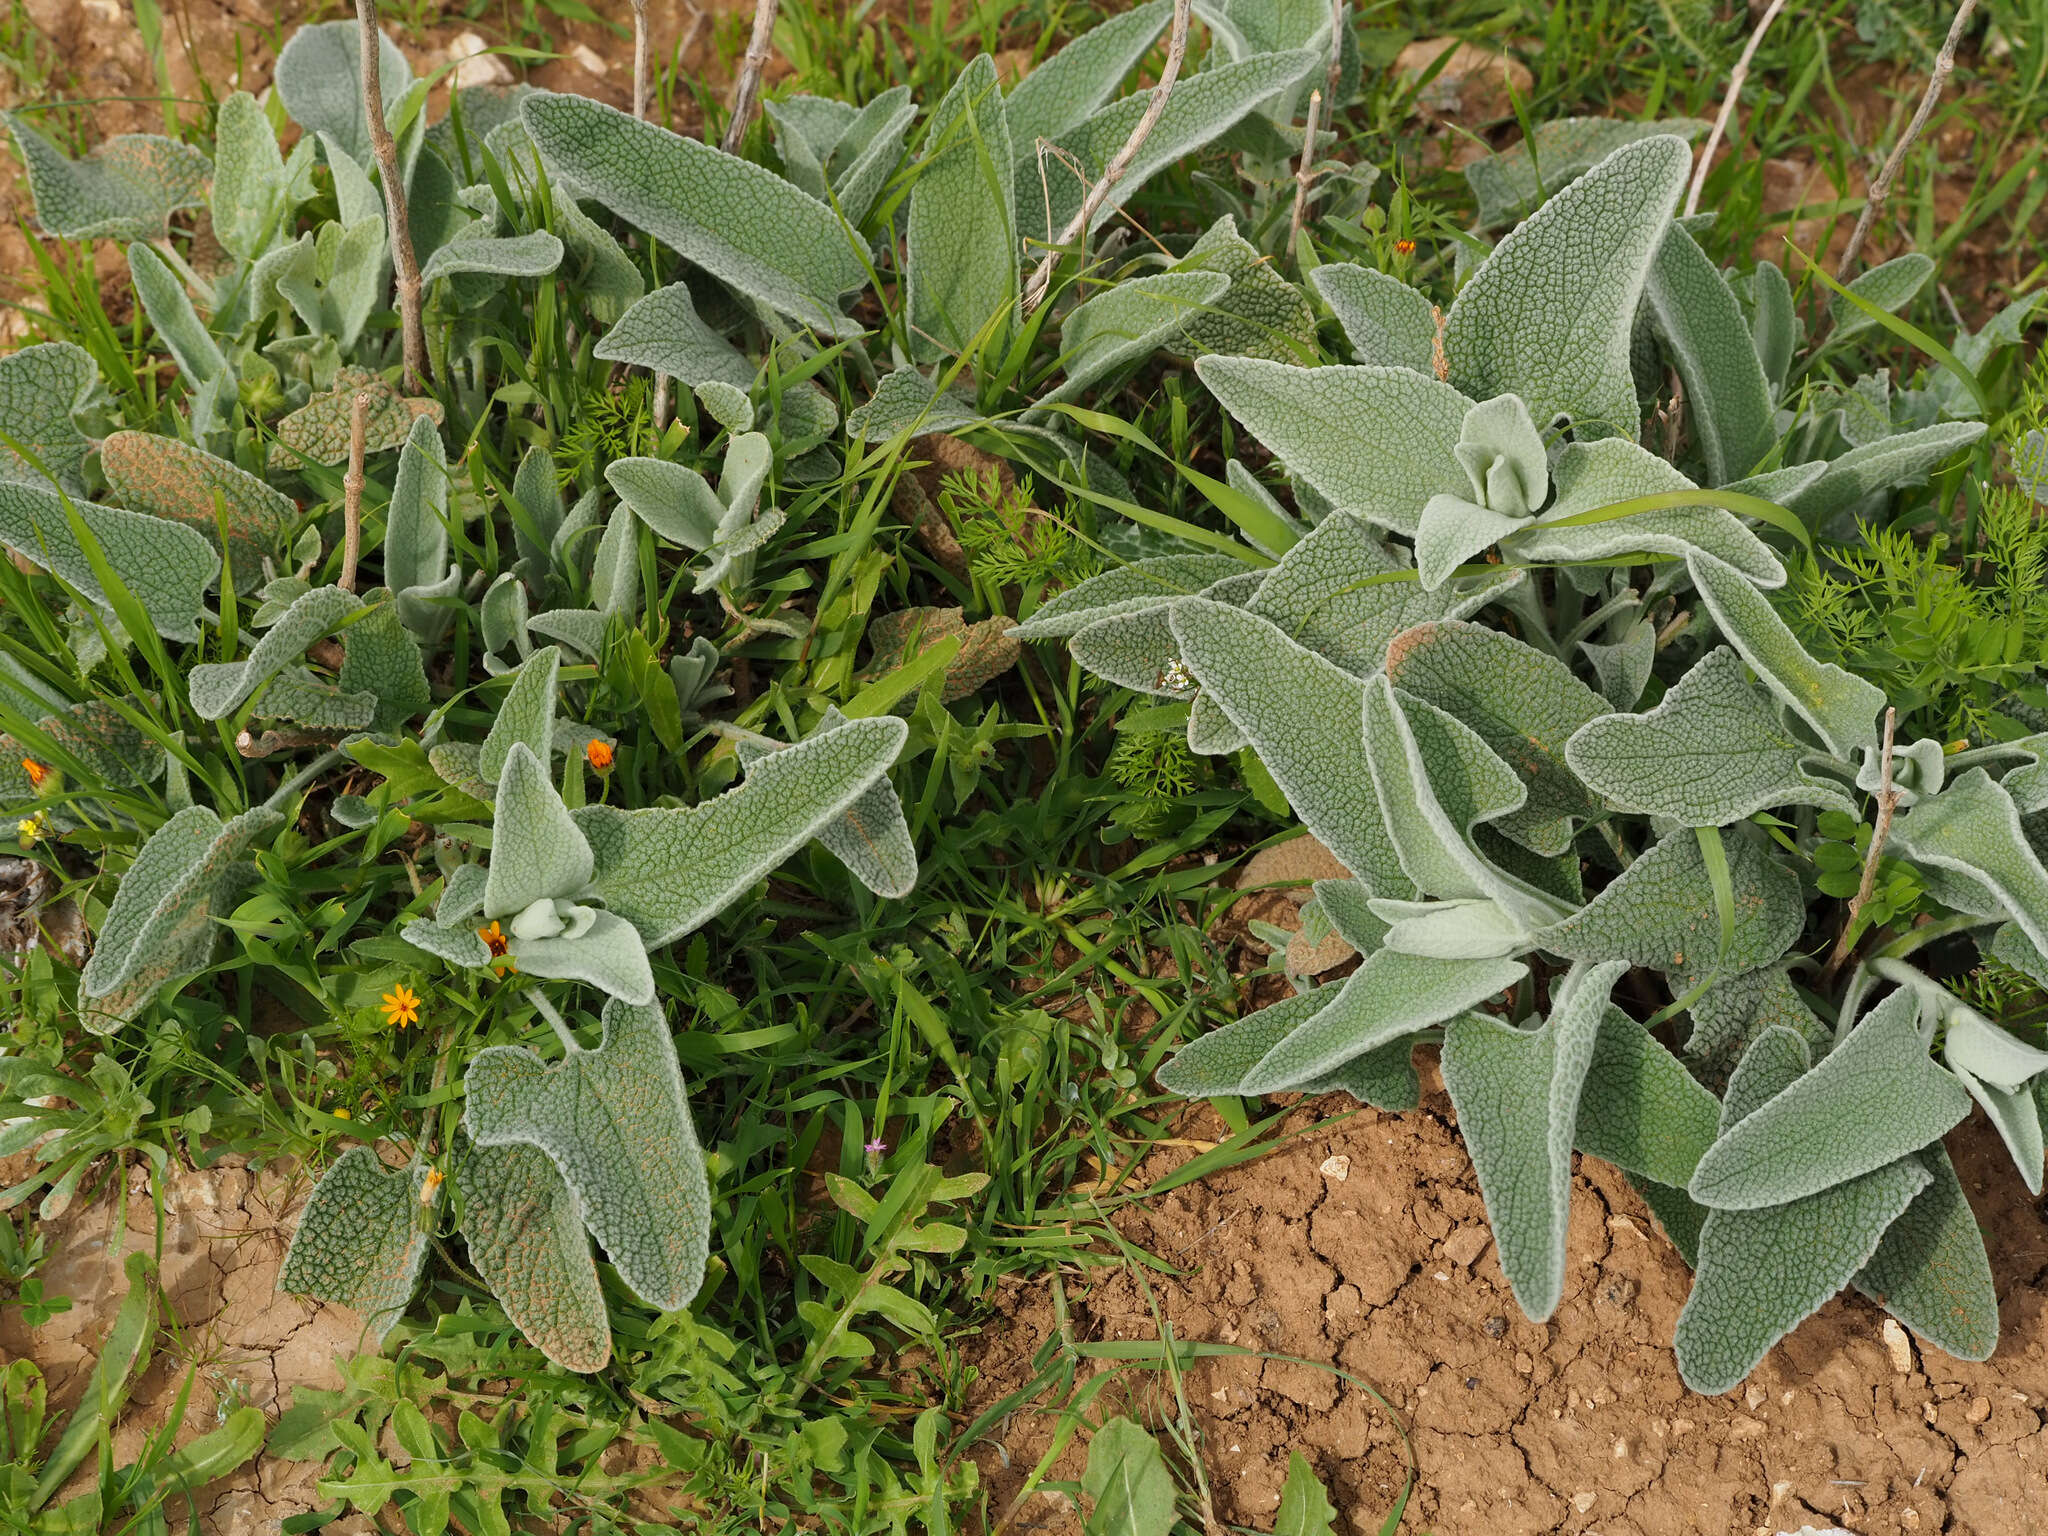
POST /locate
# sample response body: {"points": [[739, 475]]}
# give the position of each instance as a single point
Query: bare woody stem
{"points": [[1887, 804], [1737, 78], [640, 59], [1944, 66], [1304, 174], [352, 491], [1077, 227], [746, 94], [1339, 13], [403, 262]]}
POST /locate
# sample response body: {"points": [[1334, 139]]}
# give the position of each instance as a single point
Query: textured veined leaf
{"points": [[1517, 1095], [1711, 753], [1641, 1110], [1874, 1098], [1972, 829], [1513, 183], [2012, 946], [165, 566], [320, 81], [1841, 707], [960, 242], [1261, 314], [1731, 1013], [534, 254], [380, 659], [160, 923], [126, 189], [526, 1239], [1376, 442], [663, 332], [986, 649], [1384, 1077], [525, 714], [616, 1122], [99, 735], [872, 839], [1905, 459], [667, 871], [1931, 1271], [1124, 324], [537, 852], [1129, 588], [1346, 904], [1388, 323], [176, 323], [1072, 85], [416, 537], [740, 222], [1678, 1216], [334, 277], [252, 191], [360, 1240], [1623, 667], [319, 429], [1548, 313], [174, 480], [1218, 1062], [1889, 285], [1730, 402], [42, 388], [219, 688]]}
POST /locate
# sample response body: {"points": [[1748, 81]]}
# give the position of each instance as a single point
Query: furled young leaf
{"points": [[1517, 1093], [174, 480], [526, 1239], [662, 332], [320, 81], [1261, 314], [160, 924], [534, 254], [1711, 753], [219, 688], [1388, 323], [1773, 325], [252, 189], [1547, 315], [170, 311], [1972, 829], [1302, 715], [667, 871], [1729, 401], [1905, 459], [1129, 1488], [1890, 286], [1071, 86], [1874, 1098], [1660, 911], [360, 1240], [1125, 323], [319, 429], [1375, 442], [1931, 1271], [1125, 589], [1841, 707], [1736, 1009], [42, 388], [1513, 183], [616, 1123], [1641, 1110], [960, 242], [739, 221], [166, 567], [526, 714], [416, 539], [872, 839], [126, 189]]}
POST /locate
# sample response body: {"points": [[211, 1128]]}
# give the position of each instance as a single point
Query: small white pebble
{"points": [[1337, 1167]]}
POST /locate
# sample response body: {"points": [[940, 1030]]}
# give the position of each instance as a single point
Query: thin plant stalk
{"points": [[403, 262], [1737, 78], [640, 59], [746, 93], [352, 491], [1304, 173], [1887, 804], [1338, 14]]}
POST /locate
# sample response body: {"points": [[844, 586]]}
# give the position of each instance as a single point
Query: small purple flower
{"points": [[875, 1148]]}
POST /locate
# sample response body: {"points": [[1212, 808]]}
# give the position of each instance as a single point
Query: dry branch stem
{"points": [[746, 93], [1337, 18], [1737, 78], [352, 491], [1944, 66], [1077, 227], [1304, 173], [640, 59], [1887, 803], [403, 262]]}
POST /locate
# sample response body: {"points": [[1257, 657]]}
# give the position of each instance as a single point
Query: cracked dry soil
{"points": [[1363, 1245]]}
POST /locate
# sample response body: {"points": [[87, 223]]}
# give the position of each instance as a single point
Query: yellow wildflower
{"points": [[401, 1007]]}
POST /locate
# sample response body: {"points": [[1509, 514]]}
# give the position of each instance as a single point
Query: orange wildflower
{"points": [[37, 772], [430, 1186], [1404, 247], [599, 755]]}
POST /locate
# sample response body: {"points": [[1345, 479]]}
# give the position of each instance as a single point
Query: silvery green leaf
{"points": [[1135, 650], [166, 566], [872, 839], [726, 404], [905, 401], [526, 1239], [1215, 1064], [1890, 286], [1377, 442], [1384, 1077], [381, 661], [1512, 184], [1972, 829], [170, 311], [667, 871], [42, 388], [1461, 928], [616, 1123], [462, 893], [360, 1240], [600, 268], [1200, 108], [1388, 323], [1678, 1216], [534, 254], [740, 222], [319, 429], [2011, 945], [1735, 1010], [672, 499], [615, 570], [1623, 668], [126, 189], [356, 198], [1641, 1110], [526, 714], [581, 629], [1301, 714], [1711, 753], [252, 191], [1841, 707], [2028, 783], [806, 129], [2006, 328], [1660, 911], [1931, 1271], [1125, 323], [320, 81], [2000, 1071], [1451, 532], [1389, 996], [1517, 1095], [1773, 326], [1918, 770], [663, 332], [161, 922], [169, 479], [1548, 313], [297, 695], [1523, 704], [1260, 314], [869, 152], [1874, 1098], [1125, 589], [960, 240], [455, 943], [1506, 465], [416, 523], [1346, 904], [335, 278], [1072, 85], [1592, 475], [608, 955], [537, 851], [1906, 459], [1729, 402], [217, 689]]}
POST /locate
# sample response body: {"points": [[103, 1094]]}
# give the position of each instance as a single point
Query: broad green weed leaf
{"points": [[662, 332], [126, 189], [1711, 753], [360, 1240], [1547, 315], [1890, 286], [1931, 1271], [1729, 401], [1517, 1093], [534, 254], [960, 241], [165, 566], [42, 388], [1906, 459], [1876, 1097], [1305, 1509], [1261, 314], [1841, 707], [1125, 589], [174, 480], [667, 871], [616, 1123], [526, 1239], [1124, 324], [740, 222], [1074, 83], [1130, 1490], [526, 714], [1388, 323], [1375, 442], [537, 852], [218, 689], [1641, 1110], [318, 430], [1513, 183], [320, 81]]}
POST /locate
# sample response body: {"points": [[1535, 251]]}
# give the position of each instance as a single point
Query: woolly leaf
{"points": [[526, 1239], [318, 430], [616, 1123], [606, 953], [537, 851], [320, 81], [1931, 1271], [1125, 323], [166, 567], [1623, 668], [218, 689], [1890, 462], [534, 254], [1388, 323], [1260, 314], [126, 189], [1641, 1109], [526, 714], [360, 1240], [1071, 86], [672, 499], [960, 241], [663, 332], [170, 312], [174, 480], [867, 153], [416, 537], [1972, 829], [42, 388], [252, 189], [1217, 1063], [334, 277], [1890, 286], [381, 660], [1729, 401], [1735, 1010], [1513, 183], [872, 839], [1125, 589]]}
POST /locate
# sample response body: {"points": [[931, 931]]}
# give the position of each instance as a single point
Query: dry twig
{"points": [[746, 93], [1337, 18], [352, 491], [1887, 803], [1304, 173], [1737, 78], [403, 262], [640, 59]]}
